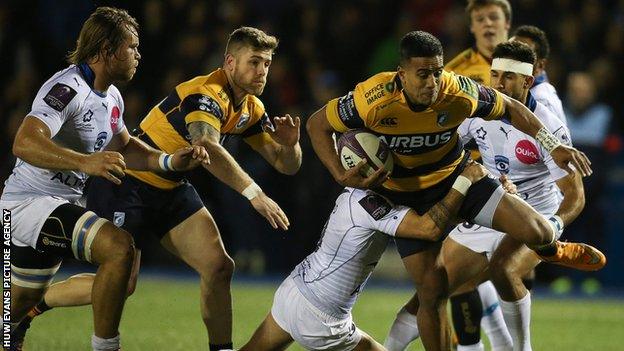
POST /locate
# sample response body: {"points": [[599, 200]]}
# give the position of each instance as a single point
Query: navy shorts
{"points": [[141, 209], [421, 201]]}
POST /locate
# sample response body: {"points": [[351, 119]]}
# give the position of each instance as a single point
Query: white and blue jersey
{"points": [[506, 150], [353, 239], [80, 119], [546, 94]]}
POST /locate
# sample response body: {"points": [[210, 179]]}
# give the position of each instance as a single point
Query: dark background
{"points": [[326, 47]]}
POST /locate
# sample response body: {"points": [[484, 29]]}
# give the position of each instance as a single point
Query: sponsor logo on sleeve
{"points": [[114, 119], [59, 96], [375, 205], [346, 107], [208, 104], [526, 152]]}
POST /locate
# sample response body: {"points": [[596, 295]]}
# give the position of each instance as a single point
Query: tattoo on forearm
{"points": [[202, 130], [440, 214]]}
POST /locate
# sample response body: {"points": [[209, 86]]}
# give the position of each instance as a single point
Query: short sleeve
{"points": [[55, 103], [371, 210], [255, 135], [490, 103], [202, 108], [464, 132], [117, 121], [342, 113]]}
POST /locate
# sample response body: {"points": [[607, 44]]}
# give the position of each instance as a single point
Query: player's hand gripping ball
{"points": [[357, 145]]}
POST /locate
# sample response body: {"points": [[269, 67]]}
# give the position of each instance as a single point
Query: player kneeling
{"points": [[313, 305]]}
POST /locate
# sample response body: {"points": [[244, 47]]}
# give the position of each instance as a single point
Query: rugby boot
{"points": [[578, 256], [19, 333]]}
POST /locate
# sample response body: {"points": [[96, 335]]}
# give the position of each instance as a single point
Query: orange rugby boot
{"points": [[578, 256]]}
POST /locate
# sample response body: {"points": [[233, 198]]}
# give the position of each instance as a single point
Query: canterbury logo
{"points": [[389, 122]]}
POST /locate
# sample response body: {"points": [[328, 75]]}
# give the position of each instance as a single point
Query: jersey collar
{"points": [[89, 76], [542, 78], [531, 103], [412, 106]]}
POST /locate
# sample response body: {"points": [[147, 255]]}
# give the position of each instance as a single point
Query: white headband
{"points": [[509, 65]]}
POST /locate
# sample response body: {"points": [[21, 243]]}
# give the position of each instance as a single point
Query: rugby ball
{"points": [[356, 145]]}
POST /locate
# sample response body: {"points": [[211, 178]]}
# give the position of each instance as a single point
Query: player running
{"points": [[76, 115], [201, 112], [425, 106], [313, 304]]}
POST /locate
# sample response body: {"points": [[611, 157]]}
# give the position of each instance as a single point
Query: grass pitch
{"points": [[164, 315]]}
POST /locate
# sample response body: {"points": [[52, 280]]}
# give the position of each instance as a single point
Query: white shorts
{"points": [[28, 216], [307, 325], [478, 238]]}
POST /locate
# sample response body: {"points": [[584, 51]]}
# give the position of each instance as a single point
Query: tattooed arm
{"points": [[226, 169], [222, 164], [432, 224]]}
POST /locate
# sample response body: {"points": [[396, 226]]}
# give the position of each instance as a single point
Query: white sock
{"points": [[493, 323], [403, 331], [518, 319], [476, 347], [100, 344]]}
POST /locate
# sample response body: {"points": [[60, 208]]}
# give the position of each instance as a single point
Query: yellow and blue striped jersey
{"points": [[207, 99], [425, 142]]}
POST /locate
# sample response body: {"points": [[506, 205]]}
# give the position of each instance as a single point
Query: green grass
{"points": [[164, 315]]}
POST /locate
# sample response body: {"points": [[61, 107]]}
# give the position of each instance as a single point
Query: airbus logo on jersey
{"points": [[526, 152], [389, 122], [502, 164], [416, 144]]}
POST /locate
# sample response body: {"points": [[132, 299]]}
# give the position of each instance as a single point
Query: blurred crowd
{"points": [[325, 48]]}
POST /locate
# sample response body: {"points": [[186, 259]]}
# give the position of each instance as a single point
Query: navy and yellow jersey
{"points": [[206, 99], [472, 64], [424, 141]]}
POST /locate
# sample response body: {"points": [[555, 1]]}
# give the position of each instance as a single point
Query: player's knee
{"points": [[502, 272], [220, 269], [431, 297], [119, 246]]}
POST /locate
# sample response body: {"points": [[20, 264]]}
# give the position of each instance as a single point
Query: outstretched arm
{"points": [[226, 169], [142, 157], [525, 121]]}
